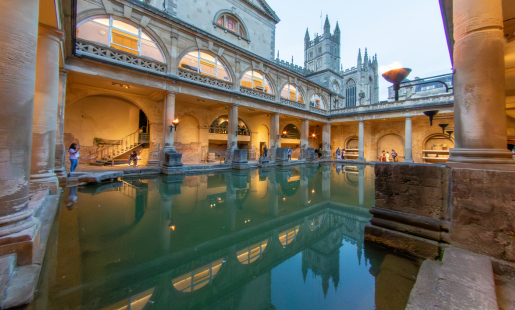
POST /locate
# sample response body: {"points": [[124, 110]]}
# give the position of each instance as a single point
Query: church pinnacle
{"points": [[327, 26]]}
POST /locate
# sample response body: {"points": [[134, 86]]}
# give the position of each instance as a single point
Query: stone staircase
{"points": [[120, 147]]}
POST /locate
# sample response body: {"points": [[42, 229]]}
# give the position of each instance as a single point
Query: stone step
{"points": [[7, 267], [21, 287], [462, 280]]}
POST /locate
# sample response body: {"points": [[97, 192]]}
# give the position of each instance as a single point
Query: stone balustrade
{"points": [[317, 110], [257, 93], [84, 47], [204, 79], [293, 103]]}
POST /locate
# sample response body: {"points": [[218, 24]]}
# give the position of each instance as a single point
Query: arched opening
{"points": [[120, 35], [291, 92], [218, 136], [352, 148], [257, 81], [289, 189], [390, 142], [206, 64], [436, 148], [316, 222], [350, 94], [317, 101], [198, 278], [290, 131], [189, 130], [107, 128]]}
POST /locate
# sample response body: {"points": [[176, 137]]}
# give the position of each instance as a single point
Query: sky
{"points": [[407, 33]]}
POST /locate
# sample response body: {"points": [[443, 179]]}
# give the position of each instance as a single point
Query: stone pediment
{"points": [[262, 6]]}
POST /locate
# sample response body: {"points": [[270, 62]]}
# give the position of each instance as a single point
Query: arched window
{"points": [[292, 93], [317, 101], [232, 23], [120, 35], [336, 87], [220, 124], [350, 94], [252, 253], [204, 63], [256, 80], [197, 278], [290, 131], [316, 222]]}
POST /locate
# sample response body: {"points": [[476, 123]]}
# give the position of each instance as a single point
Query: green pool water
{"points": [[277, 238]]}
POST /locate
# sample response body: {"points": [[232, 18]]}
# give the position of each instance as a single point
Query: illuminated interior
{"points": [[135, 302], [220, 124], [198, 278], [256, 80], [291, 92], [290, 131], [288, 236], [317, 101], [120, 35], [316, 223], [252, 253], [231, 23], [204, 63]]}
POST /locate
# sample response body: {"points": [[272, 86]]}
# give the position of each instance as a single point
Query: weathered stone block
{"points": [[310, 154], [240, 156], [264, 161], [173, 159], [281, 155]]}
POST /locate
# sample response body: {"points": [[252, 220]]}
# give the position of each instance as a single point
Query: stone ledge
{"points": [[402, 242], [463, 280]]}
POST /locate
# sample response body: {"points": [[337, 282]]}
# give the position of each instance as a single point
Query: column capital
{"points": [[171, 93], [63, 71], [408, 116], [51, 33]]}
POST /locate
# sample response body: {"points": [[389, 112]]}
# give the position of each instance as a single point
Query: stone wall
{"points": [[420, 208]]}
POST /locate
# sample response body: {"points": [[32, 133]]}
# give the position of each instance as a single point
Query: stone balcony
{"points": [[99, 51]]}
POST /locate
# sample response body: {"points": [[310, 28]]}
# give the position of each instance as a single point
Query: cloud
{"points": [[393, 65]]}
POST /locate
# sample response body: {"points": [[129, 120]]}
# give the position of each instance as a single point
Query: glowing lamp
{"points": [[175, 124]]}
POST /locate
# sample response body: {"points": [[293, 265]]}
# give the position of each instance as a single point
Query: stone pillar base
{"points": [[172, 159], [361, 159], [481, 156], [61, 175], [229, 154], [40, 182], [409, 161]]}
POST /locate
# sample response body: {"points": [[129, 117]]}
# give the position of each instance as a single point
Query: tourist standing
{"points": [[394, 155], [338, 153], [290, 151], [265, 151], [343, 153], [133, 156], [74, 156], [319, 152], [383, 156], [387, 156]]}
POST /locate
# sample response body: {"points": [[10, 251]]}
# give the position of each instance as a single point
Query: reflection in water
{"points": [[288, 236], [198, 278], [199, 242], [252, 253], [135, 302]]}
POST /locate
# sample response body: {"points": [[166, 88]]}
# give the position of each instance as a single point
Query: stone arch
{"points": [[291, 127], [268, 78], [134, 22], [236, 16], [349, 142], [388, 142], [188, 130], [226, 63], [437, 141], [259, 249]]}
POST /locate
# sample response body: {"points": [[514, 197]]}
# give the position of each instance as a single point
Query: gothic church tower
{"points": [[323, 53]]}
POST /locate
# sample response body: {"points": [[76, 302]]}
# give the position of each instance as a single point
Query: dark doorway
{"points": [[143, 121]]}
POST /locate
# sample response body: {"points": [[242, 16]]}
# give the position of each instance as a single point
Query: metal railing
{"points": [[121, 146]]}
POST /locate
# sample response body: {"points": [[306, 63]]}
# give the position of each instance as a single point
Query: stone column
{"points": [[304, 138], [326, 181], [479, 84], [408, 157], [46, 102], [60, 148], [303, 190], [172, 157], [273, 198], [18, 41], [274, 135], [232, 131], [361, 156], [326, 142]]}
